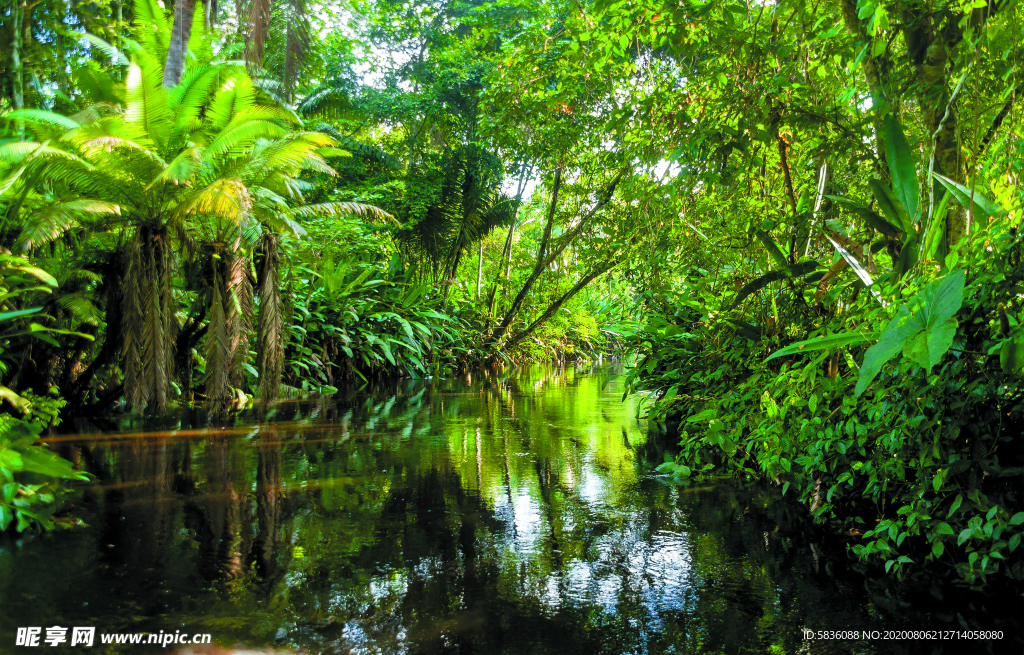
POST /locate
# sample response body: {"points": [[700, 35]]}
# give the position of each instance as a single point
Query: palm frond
{"points": [[341, 209], [188, 99], [81, 307], [234, 140], [50, 222], [148, 105], [235, 94], [115, 56], [257, 27], [16, 152], [48, 119], [151, 26], [225, 198], [181, 169], [327, 101]]}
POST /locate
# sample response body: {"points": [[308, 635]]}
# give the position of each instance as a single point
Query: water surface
{"points": [[499, 513]]}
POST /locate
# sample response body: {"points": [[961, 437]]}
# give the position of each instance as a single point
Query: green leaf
{"points": [[965, 534], [891, 342], [943, 528], [889, 205], [901, 167], [924, 335], [936, 228], [21, 312], [829, 342], [927, 347], [938, 548], [39, 273], [872, 218], [797, 270], [42, 117], [772, 248], [956, 505], [982, 206], [908, 255], [1017, 518]]}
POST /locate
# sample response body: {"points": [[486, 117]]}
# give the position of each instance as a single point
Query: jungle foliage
{"points": [[813, 206]]}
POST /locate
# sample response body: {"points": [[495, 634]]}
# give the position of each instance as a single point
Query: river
{"points": [[513, 512]]}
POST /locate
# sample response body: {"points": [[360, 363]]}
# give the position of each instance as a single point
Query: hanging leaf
{"points": [[936, 228], [901, 167], [797, 270], [908, 256], [983, 207], [852, 261], [872, 218], [829, 342], [890, 206]]}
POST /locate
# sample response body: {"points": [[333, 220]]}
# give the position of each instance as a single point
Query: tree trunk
{"points": [[557, 305], [181, 32], [149, 326], [546, 255], [538, 268], [270, 324], [480, 269], [873, 70], [18, 10]]}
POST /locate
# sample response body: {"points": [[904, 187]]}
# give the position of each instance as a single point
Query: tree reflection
{"points": [[509, 514]]}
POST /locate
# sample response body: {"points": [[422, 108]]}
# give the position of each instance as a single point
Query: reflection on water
{"points": [[500, 513]]}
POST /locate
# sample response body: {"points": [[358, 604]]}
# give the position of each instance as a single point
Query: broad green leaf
{"points": [[983, 207], [940, 300], [901, 167], [934, 306], [891, 342], [928, 346], [830, 342], [943, 528], [890, 206]]}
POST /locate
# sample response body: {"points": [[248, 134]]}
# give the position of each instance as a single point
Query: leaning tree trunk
{"points": [[148, 323], [181, 32], [270, 324]]}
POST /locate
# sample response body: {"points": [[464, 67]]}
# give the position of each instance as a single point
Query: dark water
{"points": [[508, 513]]}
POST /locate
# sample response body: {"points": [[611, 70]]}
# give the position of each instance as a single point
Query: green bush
{"points": [[31, 476], [912, 445]]}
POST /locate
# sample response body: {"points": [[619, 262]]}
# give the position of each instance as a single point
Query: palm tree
{"points": [[206, 162]]}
